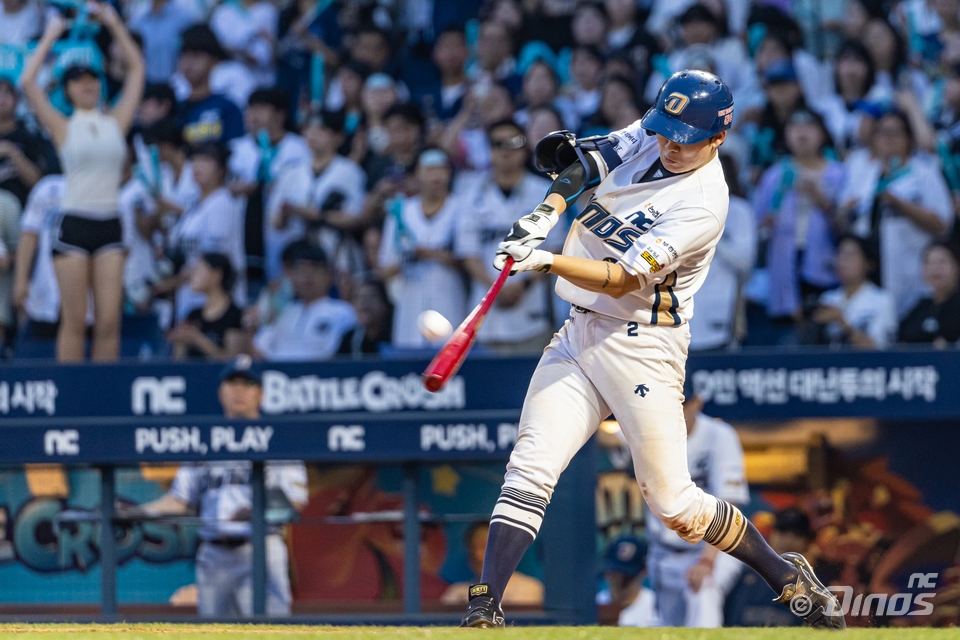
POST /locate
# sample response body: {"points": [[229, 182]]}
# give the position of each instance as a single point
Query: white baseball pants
{"points": [[225, 579], [597, 365], [677, 604]]}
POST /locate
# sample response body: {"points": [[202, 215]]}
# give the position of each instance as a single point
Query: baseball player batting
{"points": [[633, 260]]}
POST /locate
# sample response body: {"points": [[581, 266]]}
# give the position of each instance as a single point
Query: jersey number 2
{"points": [[632, 329]]}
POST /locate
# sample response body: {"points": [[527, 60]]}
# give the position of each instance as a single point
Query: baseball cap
{"points": [[780, 71], [241, 367], [200, 38], [626, 555]]}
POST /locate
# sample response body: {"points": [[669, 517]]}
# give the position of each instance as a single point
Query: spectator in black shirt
{"points": [[374, 321], [25, 157], [215, 330], [205, 116], [936, 318]]}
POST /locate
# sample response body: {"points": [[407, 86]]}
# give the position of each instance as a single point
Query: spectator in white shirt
{"points": [[272, 164], [178, 188], [19, 21], [897, 198], [858, 313], [699, 25], [35, 288], [138, 209], [465, 138], [586, 64], [784, 43], [334, 214], [10, 211], [417, 250], [849, 111], [717, 302], [212, 224], [541, 88], [312, 327], [519, 322], [248, 29], [160, 27]]}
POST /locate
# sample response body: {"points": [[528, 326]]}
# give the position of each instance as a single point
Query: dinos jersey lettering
{"points": [[664, 230]]}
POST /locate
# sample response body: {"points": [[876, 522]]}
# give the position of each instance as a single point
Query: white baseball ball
{"points": [[433, 326]]}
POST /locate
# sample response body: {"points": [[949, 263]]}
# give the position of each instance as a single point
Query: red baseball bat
{"points": [[448, 360]]}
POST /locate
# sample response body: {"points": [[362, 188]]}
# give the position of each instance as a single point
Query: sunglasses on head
{"points": [[516, 142]]}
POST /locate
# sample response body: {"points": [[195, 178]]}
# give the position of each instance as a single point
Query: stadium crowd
{"points": [[299, 180]]}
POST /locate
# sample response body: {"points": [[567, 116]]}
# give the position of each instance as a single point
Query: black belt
{"points": [[229, 543], [580, 309]]}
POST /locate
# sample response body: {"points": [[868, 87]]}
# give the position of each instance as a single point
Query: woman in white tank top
{"points": [[88, 250]]}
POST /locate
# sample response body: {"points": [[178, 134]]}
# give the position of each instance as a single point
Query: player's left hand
{"points": [[532, 229], [524, 258]]}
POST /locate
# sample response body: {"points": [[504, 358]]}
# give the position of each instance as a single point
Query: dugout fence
{"points": [[106, 417]]}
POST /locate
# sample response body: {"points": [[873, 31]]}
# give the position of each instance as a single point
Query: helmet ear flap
{"points": [[548, 152], [566, 155]]}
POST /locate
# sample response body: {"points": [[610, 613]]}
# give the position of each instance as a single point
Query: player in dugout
{"points": [[222, 494]]}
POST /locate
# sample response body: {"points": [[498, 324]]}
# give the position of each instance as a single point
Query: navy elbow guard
{"points": [[560, 150]]}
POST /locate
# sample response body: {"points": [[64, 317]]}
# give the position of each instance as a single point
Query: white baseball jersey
{"points": [[222, 489], [212, 224], [306, 332], [40, 217], [181, 189], [870, 309], [488, 216], [664, 231], [422, 284], [344, 177], [289, 181], [712, 326], [902, 242], [715, 461], [140, 268]]}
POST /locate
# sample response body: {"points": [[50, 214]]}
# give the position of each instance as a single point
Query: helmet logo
{"points": [[676, 102]]}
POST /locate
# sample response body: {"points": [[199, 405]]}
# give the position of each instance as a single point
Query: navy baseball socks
{"points": [[790, 575], [514, 525]]}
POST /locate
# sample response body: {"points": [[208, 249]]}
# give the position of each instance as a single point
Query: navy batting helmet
{"points": [[691, 107]]}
